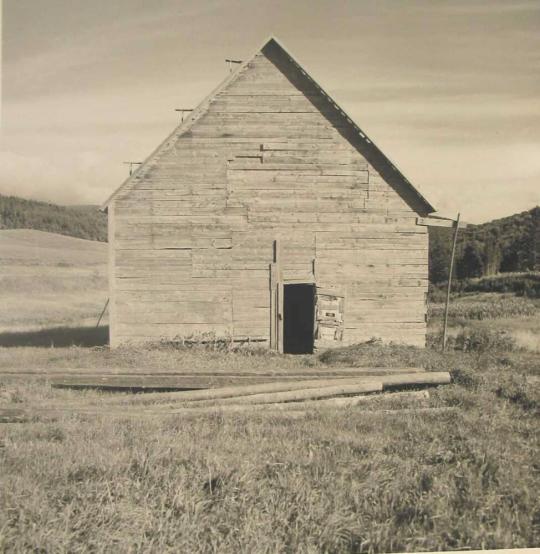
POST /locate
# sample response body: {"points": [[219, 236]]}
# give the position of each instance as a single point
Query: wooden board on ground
{"points": [[22, 415], [146, 380]]}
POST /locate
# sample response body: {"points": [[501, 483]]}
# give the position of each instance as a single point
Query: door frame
{"points": [[277, 284]]}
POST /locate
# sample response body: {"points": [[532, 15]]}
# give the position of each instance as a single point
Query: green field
{"points": [[457, 470]]}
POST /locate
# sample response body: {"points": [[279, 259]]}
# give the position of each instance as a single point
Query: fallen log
{"points": [[351, 401], [299, 394], [21, 415], [333, 401], [430, 410], [242, 391], [273, 409], [413, 379], [388, 382], [27, 415], [294, 391]]}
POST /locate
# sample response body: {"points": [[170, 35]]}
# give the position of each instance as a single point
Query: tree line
{"points": [[85, 222], [510, 244]]}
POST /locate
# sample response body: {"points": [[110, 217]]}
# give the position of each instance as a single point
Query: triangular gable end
{"points": [[279, 56]]}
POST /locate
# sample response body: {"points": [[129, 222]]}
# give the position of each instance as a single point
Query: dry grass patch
{"points": [[486, 306]]}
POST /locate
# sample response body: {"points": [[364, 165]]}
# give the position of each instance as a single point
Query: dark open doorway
{"points": [[298, 318]]}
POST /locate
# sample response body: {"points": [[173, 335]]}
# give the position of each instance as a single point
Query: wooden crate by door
{"points": [[329, 318]]}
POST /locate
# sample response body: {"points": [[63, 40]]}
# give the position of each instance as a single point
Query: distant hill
{"points": [[27, 247], [510, 244], [85, 222]]}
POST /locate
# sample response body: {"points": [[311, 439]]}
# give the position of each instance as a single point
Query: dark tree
{"points": [[470, 264], [440, 247]]}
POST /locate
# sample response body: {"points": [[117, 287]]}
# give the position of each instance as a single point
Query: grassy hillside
{"points": [[510, 244], [51, 280], [85, 222]]}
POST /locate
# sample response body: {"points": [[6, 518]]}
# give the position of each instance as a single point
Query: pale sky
{"points": [[449, 90]]}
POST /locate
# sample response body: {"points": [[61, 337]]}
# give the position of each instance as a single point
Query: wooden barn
{"points": [[268, 217]]}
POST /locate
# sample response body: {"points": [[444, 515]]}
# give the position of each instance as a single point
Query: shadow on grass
{"points": [[57, 336]]}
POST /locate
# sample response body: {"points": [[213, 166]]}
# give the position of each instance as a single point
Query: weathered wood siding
{"points": [[270, 159]]}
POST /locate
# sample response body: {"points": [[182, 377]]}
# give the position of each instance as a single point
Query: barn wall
{"points": [[270, 159]]}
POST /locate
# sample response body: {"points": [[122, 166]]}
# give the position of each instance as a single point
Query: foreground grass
{"points": [[352, 480], [336, 481]]}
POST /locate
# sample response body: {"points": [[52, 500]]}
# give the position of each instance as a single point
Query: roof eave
{"points": [[428, 208]]}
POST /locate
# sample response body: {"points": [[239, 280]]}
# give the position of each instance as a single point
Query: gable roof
{"points": [[355, 134]]}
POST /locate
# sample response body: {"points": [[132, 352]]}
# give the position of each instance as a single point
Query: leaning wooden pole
{"points": [[448, 288], [102, 313]]}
